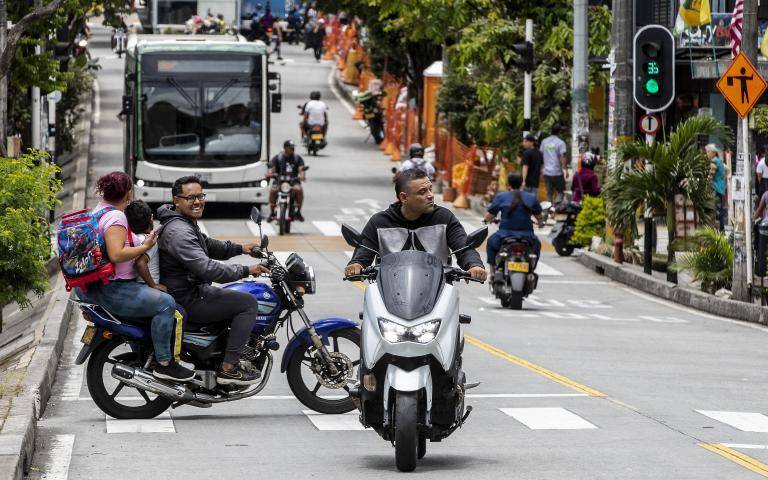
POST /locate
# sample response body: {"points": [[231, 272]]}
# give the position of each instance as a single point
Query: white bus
{"points": [[198, 105]]}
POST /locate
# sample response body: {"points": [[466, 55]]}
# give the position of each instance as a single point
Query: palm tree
{"points": [[651, 175]]}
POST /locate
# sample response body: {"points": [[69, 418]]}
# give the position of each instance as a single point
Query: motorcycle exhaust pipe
{"points": [[139, 378]]}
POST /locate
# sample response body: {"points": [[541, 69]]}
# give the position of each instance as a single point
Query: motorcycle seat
{"points": [[513, 239]]}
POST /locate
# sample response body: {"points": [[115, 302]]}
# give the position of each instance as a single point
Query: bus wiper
{"points": [[181, 91], [220, 93]]}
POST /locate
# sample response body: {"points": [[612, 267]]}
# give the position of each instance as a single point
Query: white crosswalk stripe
{"points": [[550, 418], [545, 270], [60, 455], [744, 421], [345, 422], [327, 228], [163, 423], [266, 228]]}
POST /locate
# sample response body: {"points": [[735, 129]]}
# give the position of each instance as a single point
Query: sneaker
{"points": [[299, 217], [173, 371], [237, 376]]}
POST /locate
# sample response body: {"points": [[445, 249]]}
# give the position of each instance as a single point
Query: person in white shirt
{"points": [[417, 162], [315, 113]]}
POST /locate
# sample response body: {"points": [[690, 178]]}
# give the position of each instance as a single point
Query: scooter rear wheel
{"points": [[515, 301], [406, 430]]}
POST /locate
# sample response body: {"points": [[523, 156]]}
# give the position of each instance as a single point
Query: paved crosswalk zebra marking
{"points": [[550, 418], [266, 228], [744, 421], [163, 423], [545, 270], [327, 228], [345, 422]]}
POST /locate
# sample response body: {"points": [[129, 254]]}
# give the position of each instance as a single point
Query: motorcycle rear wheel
{"points": [[422, 447], [406, 430], [309, 397], [562, 247], [109, 402], [515, 301]]}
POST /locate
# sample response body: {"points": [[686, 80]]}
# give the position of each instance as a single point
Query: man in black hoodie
{"points": [[188, 266], [414, 222]]}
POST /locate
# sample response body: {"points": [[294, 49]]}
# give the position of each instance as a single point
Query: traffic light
{"points": [[525, 52], [654, 68]]}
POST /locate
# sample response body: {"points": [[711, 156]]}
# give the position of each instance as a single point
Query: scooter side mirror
{"points": [[256, 215], [476, 238], [394, 170], [264, 242], [351, 236]]}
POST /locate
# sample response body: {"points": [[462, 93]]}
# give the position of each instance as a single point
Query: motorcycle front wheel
{"points": [[562, 247], [406, 430], [309, 381], [285, 225], [113, 397]]}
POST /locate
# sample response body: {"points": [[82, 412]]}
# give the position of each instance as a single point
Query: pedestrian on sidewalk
{"points": [[553, 149], [717, 173], [531, 162]]}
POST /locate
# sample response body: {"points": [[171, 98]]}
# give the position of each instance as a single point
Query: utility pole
{"points": [[621, 106], [4, 80], [528, 87], [742, 255], [154, 16], [579, 100], [36, 119]]}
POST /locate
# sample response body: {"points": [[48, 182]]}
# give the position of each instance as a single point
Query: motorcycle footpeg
{"points": [[469, 385], [466, 413]]}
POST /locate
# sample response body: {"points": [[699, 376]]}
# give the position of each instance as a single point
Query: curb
{"points": [[19, 433], [344, 89], [705, 302]]}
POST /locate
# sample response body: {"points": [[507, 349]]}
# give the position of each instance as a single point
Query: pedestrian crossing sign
{"points": [[741, 85]]}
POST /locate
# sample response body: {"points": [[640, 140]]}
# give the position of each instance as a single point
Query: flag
{"points": [[695, 13], [735, 29]]}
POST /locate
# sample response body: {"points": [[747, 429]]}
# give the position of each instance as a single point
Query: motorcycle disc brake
{"points": [[343, 365]]}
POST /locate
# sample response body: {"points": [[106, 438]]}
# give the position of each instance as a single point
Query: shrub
{"points": [[590, 222], [27, 194], [711, 262]]}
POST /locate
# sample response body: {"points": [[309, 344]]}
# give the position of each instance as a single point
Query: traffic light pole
{"points": [[648, 233], [528, 87]]}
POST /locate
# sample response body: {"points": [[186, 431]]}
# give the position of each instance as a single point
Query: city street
{"points": [[591, 380]]}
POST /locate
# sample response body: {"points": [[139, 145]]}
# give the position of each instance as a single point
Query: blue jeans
{"points": [[494, 242], [134, 299]]}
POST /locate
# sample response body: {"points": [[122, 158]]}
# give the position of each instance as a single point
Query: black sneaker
{"points": [[173, 371], [299, 217], [236, 376]]}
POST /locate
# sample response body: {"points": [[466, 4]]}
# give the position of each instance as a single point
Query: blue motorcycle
{"points": [[320, 359]]}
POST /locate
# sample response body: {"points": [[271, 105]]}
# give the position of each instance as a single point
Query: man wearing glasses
{"points": [[188, 266]]}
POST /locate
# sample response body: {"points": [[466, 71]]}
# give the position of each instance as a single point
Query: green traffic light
{"points": [[652, 86]]}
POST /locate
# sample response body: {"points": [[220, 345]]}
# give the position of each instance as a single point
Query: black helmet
{"points": [[314, 95], [589, 160], [416, 150]]}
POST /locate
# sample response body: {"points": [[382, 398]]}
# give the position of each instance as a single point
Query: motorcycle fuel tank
{"points": [[269, 303]]}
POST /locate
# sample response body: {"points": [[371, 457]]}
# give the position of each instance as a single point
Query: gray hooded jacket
{"points": [[188, 257]]}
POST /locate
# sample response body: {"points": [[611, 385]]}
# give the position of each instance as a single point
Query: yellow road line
{"points": [[533, 367], [737, 457]]}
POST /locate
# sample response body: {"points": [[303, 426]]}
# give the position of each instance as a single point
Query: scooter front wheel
{"points": [[562, 247], [406, 430]]}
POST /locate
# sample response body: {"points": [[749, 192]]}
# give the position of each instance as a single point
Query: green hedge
{"points": [[590, 222]]}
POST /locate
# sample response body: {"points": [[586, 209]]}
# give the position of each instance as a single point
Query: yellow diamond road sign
{"points": [[741, 85]]}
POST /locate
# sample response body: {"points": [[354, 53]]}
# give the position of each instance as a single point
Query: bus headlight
{"points": [[264, 183], [139, 183], [285, 187], [421, 333]]}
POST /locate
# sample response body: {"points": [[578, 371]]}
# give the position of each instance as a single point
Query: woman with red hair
{"points": [[123, 295]]}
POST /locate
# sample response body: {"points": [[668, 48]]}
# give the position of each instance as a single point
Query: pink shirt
{"points": [[123, 270]]}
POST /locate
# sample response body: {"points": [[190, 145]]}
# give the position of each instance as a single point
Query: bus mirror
{"points": [[277, 102], [127, 105]]}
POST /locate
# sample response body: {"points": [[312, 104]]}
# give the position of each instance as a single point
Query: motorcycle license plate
{"points": [[517, 266], [369, 116], [88, 334], [317, 136], [561, 217]]}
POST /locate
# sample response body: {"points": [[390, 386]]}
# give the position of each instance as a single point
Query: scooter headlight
{"points": [[285, 187], [421, 333]]}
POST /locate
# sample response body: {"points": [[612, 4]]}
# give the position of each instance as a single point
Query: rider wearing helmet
{"points": [[585, 181], [315, 113], [416, 161]]}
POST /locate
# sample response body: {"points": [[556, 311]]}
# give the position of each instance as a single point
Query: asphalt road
{"points": [[592, 380]]}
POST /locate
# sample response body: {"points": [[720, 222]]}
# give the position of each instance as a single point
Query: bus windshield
{"points": [[211, 123]]}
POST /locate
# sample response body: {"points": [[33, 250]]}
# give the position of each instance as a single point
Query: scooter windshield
{"points": [[410, 282]]}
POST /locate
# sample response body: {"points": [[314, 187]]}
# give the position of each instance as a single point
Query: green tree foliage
{"points": [[677, 166], [27, 194], [711, 262], [590, 222]]}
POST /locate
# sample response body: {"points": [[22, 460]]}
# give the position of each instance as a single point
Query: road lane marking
{"points": [[96, 102], [73, 382], [202, 228], [344, 422], [533, 367], [328, 228], [163, 423], [339, 397], [745, 446], [344, 102], [574, 282], [60, 456], [737, 457], [549, 418], [545, 270], [266, 228], [744, 421], [282, 257]]}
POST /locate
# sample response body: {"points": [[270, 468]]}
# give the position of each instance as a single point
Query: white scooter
{"points": [[411, 384]]}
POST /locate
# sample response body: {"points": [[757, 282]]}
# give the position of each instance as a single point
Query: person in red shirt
{"points": [[585, 181]]}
